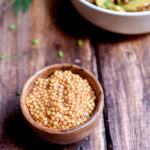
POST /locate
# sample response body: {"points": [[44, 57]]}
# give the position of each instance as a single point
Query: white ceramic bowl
{"points": [[118, 22]]}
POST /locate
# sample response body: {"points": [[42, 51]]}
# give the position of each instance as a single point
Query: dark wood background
{"points": [[122, 64]]}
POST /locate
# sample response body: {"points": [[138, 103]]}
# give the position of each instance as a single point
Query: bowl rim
{"points": [[111, 12], [30, 120]]}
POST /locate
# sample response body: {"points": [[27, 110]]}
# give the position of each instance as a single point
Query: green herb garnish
{"points": [[60, 54], [2, 57], [20, 6], [36, 41], [80, 43], [107, 3], [17, 56], [12, 27], [18, 93]]}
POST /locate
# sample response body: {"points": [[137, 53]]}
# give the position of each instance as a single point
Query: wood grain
{"points": [[121, 61], [38, 23], [124, 68]]}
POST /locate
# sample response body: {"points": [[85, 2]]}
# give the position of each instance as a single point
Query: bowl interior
{"points": [[46, 72]]}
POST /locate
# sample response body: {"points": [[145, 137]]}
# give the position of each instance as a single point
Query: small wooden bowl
{"points": [[63, 136]]}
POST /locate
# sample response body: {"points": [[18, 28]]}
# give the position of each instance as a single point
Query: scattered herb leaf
{"points": [[54, 20], [36, 41], [12, 27], [2, 57], [20, 6], [60, 54], [18, 93], [17, 56], [80, 43]]}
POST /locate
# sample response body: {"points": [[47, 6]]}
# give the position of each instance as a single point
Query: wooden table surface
{"points": [[122, 64]]}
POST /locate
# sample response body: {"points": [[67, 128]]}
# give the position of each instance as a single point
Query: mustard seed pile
{"points": [[62, 101]]}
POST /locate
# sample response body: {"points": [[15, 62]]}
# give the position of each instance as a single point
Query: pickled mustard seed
{"points": [[60, 54], [18, 93], [62, 101], [80, 43], [12, 27], [2, 57], [35, 41]]}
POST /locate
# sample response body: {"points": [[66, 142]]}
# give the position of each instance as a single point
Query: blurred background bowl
{"points": [[114, 21]]}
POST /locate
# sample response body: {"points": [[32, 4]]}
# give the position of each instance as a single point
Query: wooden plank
{"points": [[38, 23], [124, 68]]}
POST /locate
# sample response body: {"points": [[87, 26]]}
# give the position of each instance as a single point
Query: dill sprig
{"points": [[20, 6]]}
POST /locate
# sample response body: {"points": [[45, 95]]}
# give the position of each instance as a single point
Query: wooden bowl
{"points": [[63, 136]]}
